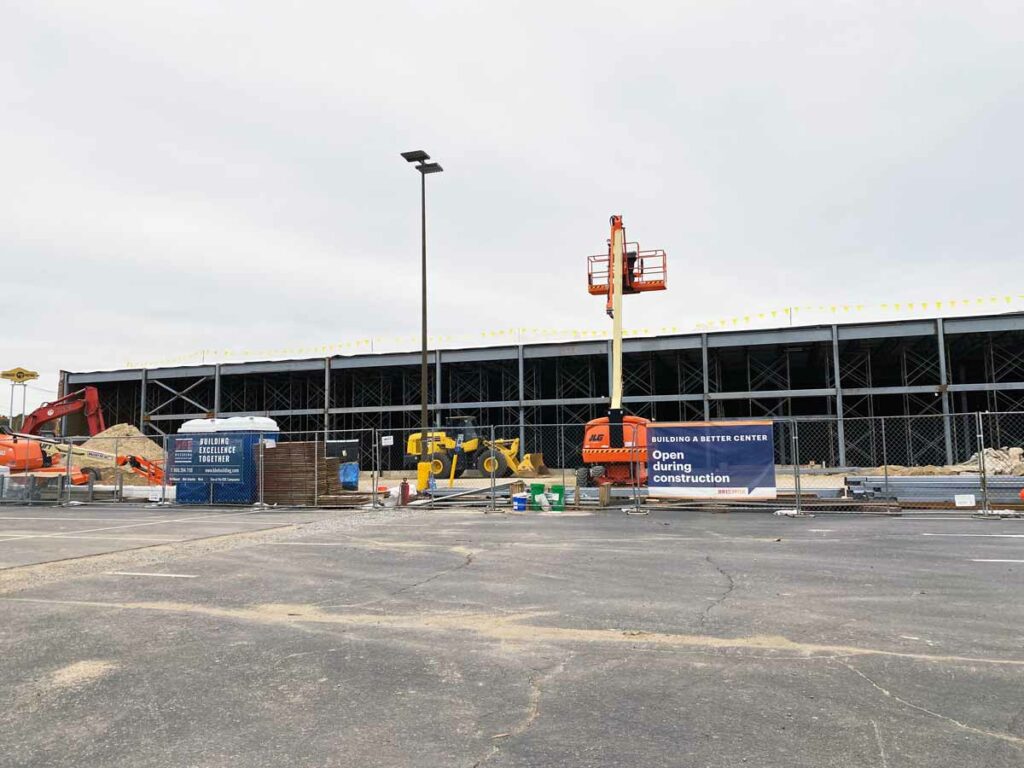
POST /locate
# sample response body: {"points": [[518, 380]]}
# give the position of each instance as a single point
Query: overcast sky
{"points": [[225, 176]]}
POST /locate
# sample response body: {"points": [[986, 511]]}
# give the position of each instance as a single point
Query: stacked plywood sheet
{"points": [[299, 474]]}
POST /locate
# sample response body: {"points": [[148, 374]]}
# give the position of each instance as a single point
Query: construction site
{"points": [[683, 427], [794, 546], [876, 418], [854, 411], [547, 554]]}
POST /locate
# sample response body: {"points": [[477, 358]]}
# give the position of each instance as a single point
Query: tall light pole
{"points": [[420, 157]]}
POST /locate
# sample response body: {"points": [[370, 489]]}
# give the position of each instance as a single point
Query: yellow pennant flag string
{"points": [[769, 317]]}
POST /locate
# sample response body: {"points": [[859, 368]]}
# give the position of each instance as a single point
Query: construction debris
{"points": [[998, 461]]}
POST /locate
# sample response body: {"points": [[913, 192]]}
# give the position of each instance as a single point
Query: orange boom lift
{"points": [[615, 446], [28, 454]]}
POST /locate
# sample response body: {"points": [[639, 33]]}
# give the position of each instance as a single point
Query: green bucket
{"points": [[536, 489], [558, 503]]}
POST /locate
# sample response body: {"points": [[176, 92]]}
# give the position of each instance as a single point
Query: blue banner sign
{"points": [[211, 458], [711, 459]]}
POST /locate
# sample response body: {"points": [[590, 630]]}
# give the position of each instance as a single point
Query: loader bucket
{"points": [[532, 465]]}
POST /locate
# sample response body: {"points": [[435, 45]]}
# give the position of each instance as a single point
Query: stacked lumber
{"points": [[300, 474]]}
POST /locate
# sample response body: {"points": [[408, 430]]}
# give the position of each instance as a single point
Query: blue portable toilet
{"points": [[214, 461]]}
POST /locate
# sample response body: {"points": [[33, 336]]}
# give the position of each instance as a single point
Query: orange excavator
{"points": [[26, 452], [615, 446], [85, 401]]}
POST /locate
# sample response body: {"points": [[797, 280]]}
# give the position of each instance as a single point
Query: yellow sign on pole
{"points": [[19, 375]]}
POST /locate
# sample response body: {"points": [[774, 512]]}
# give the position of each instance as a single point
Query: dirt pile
{"points": [[120, 440]]}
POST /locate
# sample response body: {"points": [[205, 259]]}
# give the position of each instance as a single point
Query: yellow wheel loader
{"points": [[460, 437]]}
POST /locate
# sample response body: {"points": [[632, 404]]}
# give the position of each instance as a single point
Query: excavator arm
{"points": [[85, 400]]}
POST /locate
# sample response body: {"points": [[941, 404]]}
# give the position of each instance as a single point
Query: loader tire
{"points": [[440, 465], [492, 462]]}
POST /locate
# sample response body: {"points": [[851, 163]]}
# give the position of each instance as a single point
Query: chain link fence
{"points": [[974, 460]]}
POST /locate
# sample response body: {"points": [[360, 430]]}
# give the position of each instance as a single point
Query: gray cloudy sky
{"points": [[196, 175]]}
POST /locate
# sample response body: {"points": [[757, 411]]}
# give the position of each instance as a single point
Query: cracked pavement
{"points": [[412, 638]]}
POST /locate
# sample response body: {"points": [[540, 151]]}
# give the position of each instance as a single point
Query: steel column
{"points": [[947, 432], [522, 397], [840, 430], [62, 388], [437, 386], [704, 369], [216, 390], [327, 398], [142, 402]]}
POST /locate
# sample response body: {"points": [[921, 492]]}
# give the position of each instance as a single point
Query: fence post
{"points": [[635, 471], [374, 461], [67, 467], [570, 471], [983, 475], [263, 440], [163, 477], [316, 469], [118, 475], [885, 459], [795, 457], [493, 505]]}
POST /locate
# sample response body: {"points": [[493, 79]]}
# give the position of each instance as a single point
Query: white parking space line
{"points": [[190, 519], [918, 519], [993, 560], [311, 543], [980, 535], [82, 519], [161, 575], [155, 539], [163, 521]]}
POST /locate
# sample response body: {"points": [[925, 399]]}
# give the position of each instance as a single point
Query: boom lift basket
{"points": [[645, 271]]}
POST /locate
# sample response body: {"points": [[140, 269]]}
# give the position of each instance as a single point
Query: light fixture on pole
{"points": [[420, 157]]}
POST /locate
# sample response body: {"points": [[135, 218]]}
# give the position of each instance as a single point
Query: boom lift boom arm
{"points": [[614, 456]]}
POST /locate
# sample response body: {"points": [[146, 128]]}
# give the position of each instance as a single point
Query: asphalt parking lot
{"points": [[43, 534], [419, 638]]}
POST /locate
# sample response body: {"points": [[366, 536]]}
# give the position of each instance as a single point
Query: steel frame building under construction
{"points": [[925, 367]]}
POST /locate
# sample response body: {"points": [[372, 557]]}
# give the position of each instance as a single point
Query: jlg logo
{"points": [[596, 438]]}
